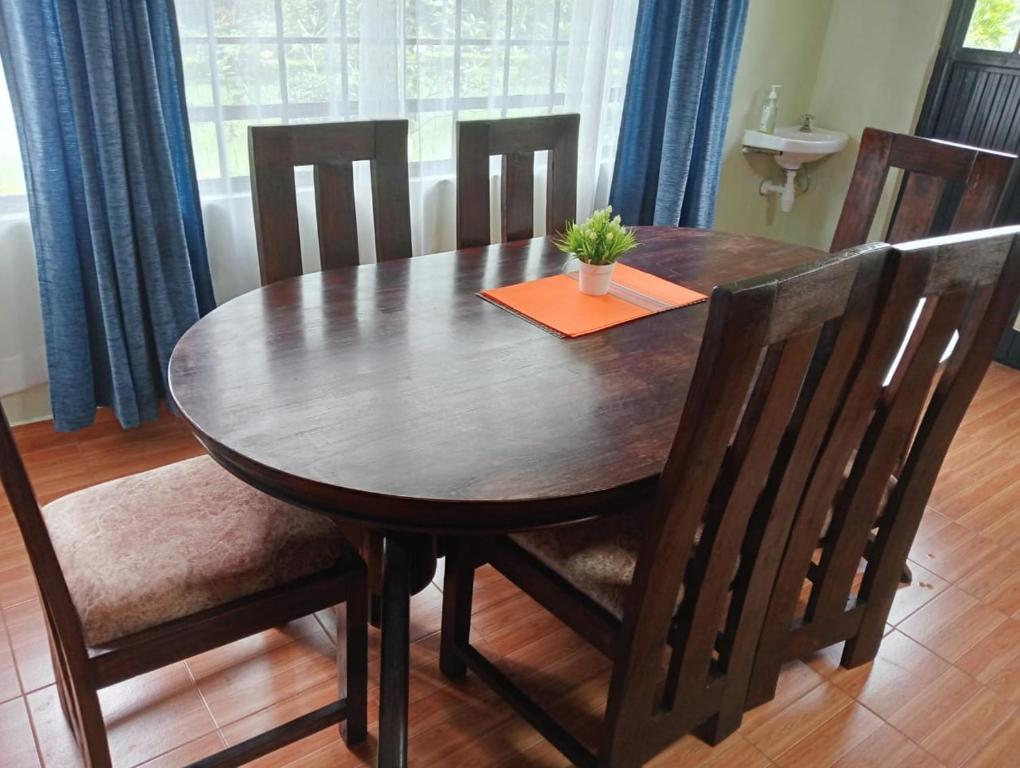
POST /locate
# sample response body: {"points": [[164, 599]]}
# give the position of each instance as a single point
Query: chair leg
{"points": [[60, 674], [724, 724], [458, 589], [95, 746], [352, 662]]}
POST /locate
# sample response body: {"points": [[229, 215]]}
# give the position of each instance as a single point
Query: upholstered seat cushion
{"points": [[164, 544], [597, 557]]}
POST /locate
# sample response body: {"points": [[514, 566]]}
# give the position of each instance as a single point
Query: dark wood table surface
{"points": [[393, 395]]}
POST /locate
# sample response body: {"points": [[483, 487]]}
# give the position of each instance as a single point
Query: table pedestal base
{"points": [[403, 555]]}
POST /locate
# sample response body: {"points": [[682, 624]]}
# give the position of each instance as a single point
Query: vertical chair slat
{"points": [[518, 196], [335, 215]]}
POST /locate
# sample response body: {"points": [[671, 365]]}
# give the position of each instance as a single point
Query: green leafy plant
{"points": [[602, 239]]}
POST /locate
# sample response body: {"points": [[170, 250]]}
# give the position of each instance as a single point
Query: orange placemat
{"points": [[554, 303]]}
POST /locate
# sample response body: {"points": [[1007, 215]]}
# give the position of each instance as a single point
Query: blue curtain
{"points": [[97, 91], [675, 111]]}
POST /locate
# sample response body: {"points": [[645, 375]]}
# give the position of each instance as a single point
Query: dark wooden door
{"points": [[974, 98]]}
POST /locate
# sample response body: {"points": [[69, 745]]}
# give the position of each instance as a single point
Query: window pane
{"points": [[235, 139], [994, 25], [313, 73], [191, 18], [249, 73], [530, 70], [430, 72], [566, 17], [562, 62], [481, 70], [311, 18], [353, 17], [207, 152], [242, 18], [532, 20], [430, 136], [430, 18], [483, 19], [197, 74], [353, 71]]}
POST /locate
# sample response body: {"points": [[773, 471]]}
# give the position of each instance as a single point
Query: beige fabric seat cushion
{"points": [[597, 557], [164, 544]]}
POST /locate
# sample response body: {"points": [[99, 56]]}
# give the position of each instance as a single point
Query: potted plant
{"points": [[597, 244]]}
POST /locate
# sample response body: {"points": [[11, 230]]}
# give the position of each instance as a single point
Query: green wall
{"points": [[851, 63]]}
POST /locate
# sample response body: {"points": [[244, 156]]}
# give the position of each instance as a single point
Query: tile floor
{"points": [[944, 691]]}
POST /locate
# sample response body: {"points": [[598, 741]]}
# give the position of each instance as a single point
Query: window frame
{"points": [[346, 107]]}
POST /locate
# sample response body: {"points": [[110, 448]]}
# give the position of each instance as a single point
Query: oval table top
{"points": [[392, 394]]}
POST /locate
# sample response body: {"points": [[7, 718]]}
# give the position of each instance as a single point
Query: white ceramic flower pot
{"points": [[593, 279]]}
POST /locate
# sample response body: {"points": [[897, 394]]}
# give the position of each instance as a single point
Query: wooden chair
{"points": [[970, 283], [144, 571], [516, 139], [274, 152], [931, 166], [697, 563]]}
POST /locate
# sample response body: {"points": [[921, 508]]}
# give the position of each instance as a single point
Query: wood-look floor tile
{"points": [[40, 435], [56, 740], [831, 740], [973, 491], [902, 669], [9, 686], [265, 676], [885, 747], [937, 704], [188, 753], [1002, 749], [969, 729], [734, 751], [17, 585], [57, 471], [17, 745], [795, 680], [26, 629], [952, 623], [116, 456], [776, 735], [954, 551], [996, 582], [153, 714], [920, 591], [317, 696]]}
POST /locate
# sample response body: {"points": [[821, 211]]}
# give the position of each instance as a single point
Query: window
{"points": [[284, 61], [994, 26]]}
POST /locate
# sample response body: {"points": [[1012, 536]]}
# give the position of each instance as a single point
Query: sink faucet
{"points": [[807, 123]]}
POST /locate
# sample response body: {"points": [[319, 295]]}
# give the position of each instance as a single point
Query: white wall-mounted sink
{"points": [[794, 146]]}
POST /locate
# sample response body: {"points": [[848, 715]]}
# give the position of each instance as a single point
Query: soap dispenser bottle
{"points": [[767, 123]]}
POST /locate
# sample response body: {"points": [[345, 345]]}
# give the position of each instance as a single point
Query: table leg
{"points": [[393, 685]]}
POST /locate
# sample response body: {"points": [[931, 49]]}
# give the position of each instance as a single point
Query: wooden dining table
{"points": [[393, 396]]}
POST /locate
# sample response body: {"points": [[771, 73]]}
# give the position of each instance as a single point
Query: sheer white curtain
{"points": [[251, 62], [22, 355]]}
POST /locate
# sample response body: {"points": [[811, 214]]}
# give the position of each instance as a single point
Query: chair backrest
{"points": [[516, 140], [775, 354], [275, 151], [62, 618], [897, 405], [931, 166]]}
